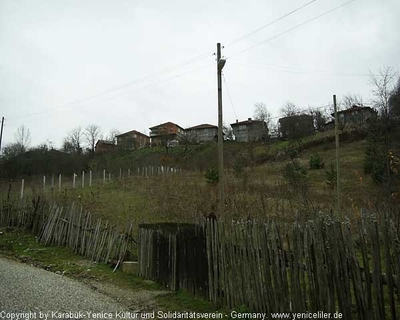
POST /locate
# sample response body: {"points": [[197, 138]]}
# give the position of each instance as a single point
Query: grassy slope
{"points": [[258, 192], [19, 245]]}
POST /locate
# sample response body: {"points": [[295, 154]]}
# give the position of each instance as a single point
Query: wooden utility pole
{"points": [[221, 192], [338, 209], [1, 132]]}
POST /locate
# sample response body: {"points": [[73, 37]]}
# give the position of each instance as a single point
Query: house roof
{"points": [[203, 126], [356, 108], [132, 131], [105, 142], [246, 122], [296, 116], [163, 124]]}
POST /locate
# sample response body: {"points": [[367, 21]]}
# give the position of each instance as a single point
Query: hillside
{"points": [[255, 181], [251, 191]]}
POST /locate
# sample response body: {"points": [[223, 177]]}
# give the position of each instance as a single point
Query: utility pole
{"points": [[221, 192], [1, 132], [338, 209]]}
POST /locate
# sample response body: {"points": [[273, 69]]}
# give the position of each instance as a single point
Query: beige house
{"points": [[202, 133], [250, 130]]}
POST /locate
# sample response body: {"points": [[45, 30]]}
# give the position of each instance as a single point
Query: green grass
{"points": [[181, 300], [258, 192], [22, 246]]}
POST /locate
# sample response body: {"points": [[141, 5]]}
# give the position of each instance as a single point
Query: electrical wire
{"points": [[117, 88], [296, 70], [189, 61], [229, 95], [291, 29], [269, 24], [39, 115]]}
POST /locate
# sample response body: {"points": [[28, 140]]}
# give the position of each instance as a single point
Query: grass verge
{"points": [[20, 245]]}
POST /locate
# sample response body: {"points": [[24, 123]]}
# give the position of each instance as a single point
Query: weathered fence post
{"points": [[22, 188], [138, 172], [52, 181], [120, 174], [90, 178], [129, 172], [104, 176], [109, 177], [83, 179], [59, 182], [73, 180], [44, 183]]}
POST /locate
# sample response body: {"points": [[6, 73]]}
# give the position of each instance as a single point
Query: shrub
{"points": [[331, 176], [292, 152], [238, 166], [375, 162], [212, 176], [316, 162], [297, 180], [295, 174]]}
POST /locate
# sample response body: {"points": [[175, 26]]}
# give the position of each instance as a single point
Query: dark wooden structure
{"points": [[321, 265], [175, 255]]}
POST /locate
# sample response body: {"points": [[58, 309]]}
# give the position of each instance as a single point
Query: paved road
{"points": [[24, 288]]}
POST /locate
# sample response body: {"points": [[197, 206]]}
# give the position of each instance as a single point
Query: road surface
{"points": [[24, 288]]}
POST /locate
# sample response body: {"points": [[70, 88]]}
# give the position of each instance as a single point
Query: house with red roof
{"points": [[132, 140]]}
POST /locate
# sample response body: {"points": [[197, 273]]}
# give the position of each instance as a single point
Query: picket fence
{"points": [[321, 265], [84, 179], [70, 227]]}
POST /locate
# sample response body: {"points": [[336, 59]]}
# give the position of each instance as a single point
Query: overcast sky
{"points": [[135, 64]]}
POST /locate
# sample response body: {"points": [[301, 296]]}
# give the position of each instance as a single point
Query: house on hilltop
{"points": [[297, 126], [250, 130], [202, 133], [166, 133], [356, 115], [132, 140], [104, 146]]}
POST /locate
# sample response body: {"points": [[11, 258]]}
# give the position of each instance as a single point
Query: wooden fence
{"points": [[174, 255], [70, 227], [320, 265], [80, 180]]}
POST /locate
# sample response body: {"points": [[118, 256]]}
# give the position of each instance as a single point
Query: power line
{"points": [[229, 95], [81, 106], [296, 70], [270, 23], [293, 28], [189, 61], [120, 87]]}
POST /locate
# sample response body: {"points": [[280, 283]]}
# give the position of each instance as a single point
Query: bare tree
{"points": [[394, 102], [383, 87], [319, 118], [382, 142], [261, 113], [289, 109], [23, 137], [349, 100], [92, 134], [112, 135], [73, 142]]}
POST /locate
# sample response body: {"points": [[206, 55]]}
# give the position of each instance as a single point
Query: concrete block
{"points": [[130, 267]]}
